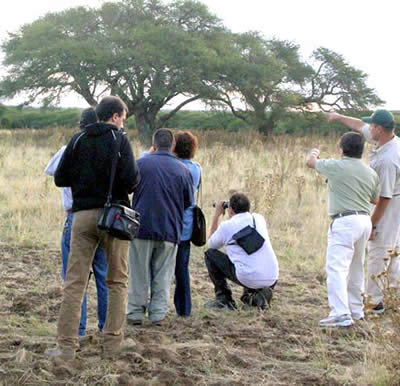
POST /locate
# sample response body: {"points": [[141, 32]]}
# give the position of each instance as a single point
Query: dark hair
{"points": [[110, 105], [389, 127], [239, 203], [163, 139], [88, 117], [186, 144], [352, 144]]}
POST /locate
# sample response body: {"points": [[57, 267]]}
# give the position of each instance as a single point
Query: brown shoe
{"points": [[125, 346]]}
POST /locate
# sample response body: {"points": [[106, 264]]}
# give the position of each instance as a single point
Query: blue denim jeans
{"points": [[182, 297], [100, 272]]}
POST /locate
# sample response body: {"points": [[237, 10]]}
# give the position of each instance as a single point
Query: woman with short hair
{"points": [[185, 148]]}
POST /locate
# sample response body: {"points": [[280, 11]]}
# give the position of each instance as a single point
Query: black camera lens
{"points": [[225, 204]]}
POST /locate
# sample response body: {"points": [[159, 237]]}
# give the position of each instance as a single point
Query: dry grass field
{"points": [[281, 346]]}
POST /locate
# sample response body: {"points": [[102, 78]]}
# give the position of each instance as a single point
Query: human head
{"points": [[186, 144], [239, 203], [352, 144], [382, 118], [88, 117], [112, 109], [381, 123], [163, 139]]}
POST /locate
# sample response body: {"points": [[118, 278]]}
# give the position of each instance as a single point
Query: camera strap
{"points": [[199, 188], [116, 149]]}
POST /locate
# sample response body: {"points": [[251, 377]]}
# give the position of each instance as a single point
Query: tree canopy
{"points": [[142, 50], [152, 54], [265, 79]]}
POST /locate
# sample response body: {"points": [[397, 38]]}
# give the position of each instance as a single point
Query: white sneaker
{"points": [[357, 317], [336, 321]]}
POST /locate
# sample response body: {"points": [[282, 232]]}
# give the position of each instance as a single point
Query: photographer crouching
{"points": [[250, 260]]}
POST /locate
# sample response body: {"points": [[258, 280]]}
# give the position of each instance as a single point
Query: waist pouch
{"points": [[249, 239]]}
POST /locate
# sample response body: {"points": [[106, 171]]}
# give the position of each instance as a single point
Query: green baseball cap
{"points": [[381, 117]]}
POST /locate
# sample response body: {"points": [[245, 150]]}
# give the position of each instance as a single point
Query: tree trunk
{"points": [[146, 126], [264, 124]]}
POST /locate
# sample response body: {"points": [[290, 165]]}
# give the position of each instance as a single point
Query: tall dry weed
{"points": [[270, 171], [387, 330], [294, 201]]}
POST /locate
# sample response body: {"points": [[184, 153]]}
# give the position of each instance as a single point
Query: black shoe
{"points": [[219, 304], [246, 296], [266, 293], [260, 298], [159, 323], [134, 322], [378, 309]]}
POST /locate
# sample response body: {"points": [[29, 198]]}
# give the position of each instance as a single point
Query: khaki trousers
{"points": [[387, 236], [85, 239]]}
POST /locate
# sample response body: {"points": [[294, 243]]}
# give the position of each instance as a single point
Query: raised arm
{"points": [[354, 124], [312, 157]]}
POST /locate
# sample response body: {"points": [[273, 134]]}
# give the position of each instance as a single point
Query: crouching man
{"points": [[256, 271]]}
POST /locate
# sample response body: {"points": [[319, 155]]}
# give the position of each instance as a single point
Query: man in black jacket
{"points": [[86, 168]]}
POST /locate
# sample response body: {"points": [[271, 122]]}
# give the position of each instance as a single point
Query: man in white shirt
{"points": [[257, 272], [378, 129]]}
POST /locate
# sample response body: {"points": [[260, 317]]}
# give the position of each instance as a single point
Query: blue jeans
{"points": [[100, 272], [182, 297]]}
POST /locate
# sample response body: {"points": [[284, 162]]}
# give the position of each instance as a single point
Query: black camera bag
{"points": [[249, 239], [118, 220], [199, 233]]}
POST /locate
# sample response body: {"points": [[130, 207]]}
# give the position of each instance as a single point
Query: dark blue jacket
{"points": [[163, 193]]}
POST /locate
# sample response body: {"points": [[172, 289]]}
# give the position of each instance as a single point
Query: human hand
{"points": [[219, 208], [373, 234], [314, 153], [152, 149], [332, 117]]}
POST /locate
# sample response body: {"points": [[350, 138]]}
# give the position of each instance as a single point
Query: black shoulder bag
{"points": [[118, 220], [199, 234], [249, 239]]}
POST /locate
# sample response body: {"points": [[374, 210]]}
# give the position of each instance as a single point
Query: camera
{"points": [[225, 204]]}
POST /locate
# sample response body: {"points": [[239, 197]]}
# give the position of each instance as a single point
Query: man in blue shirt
{"points": [[164, 192]]}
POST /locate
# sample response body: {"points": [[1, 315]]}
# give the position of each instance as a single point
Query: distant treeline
{"points": [[293, 123]]}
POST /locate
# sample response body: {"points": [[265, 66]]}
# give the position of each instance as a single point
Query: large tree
{"points": [[144, 51], [265, 79], [153, 55]]}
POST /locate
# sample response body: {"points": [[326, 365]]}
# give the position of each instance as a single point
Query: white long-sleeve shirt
{"points": [[260, 269], [50, 170]]}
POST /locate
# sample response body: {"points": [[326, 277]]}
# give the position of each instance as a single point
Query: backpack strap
{"points": [[76, 141]]}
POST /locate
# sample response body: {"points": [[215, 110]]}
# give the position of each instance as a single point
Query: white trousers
{"points": [[387, 236], [347, 240]]}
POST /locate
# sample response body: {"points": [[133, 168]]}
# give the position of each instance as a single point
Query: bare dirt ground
{"points": [[281, 346]]}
